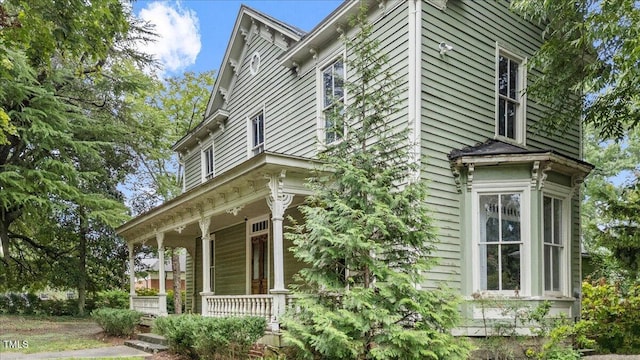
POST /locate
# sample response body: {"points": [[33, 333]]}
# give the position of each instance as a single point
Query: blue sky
{"points": [[194, 33]]}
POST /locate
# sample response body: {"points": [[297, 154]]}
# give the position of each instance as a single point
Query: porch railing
{"points": [[239, 305], [146, 304]]}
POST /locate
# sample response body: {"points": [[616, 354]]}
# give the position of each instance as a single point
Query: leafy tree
{"points": [[368, 238], [72, 66], [609, 213], [166, 112], [590, 49]]}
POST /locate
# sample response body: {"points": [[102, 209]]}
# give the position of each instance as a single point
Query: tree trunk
{"points": [[8, 217], [177, 281], [82, 257]]}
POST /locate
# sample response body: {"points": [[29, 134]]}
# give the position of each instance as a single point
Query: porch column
{"points": [[132, 276], [278, 202], [205, 223], [162, 294]]}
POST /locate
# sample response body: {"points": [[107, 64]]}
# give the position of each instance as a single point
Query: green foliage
{"points": [[610, 317], [590, 49], [117, 322], [116, 299], [228, 338], [166, 112], [551, 337], [31, 304], [171, 304], [180, 331], [367, 237], [146, 292], [210, 338]]}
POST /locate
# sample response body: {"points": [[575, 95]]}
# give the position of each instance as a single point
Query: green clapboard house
{"points": [[504, 195]]}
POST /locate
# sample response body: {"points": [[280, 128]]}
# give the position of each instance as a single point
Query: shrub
{"points": [[180, 332], [115, 299], [117, 322], [170, 304], [228, 338], [211, 338], [610, 316], [146, 292]]}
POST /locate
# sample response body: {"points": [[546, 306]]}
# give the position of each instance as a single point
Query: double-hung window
{"points": [[510, 98], [332, 101], [500, 242], [554, 240], [257, 133], [208, 168]]}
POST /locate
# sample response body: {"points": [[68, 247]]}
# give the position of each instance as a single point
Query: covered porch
{"points": [[232, 227]]}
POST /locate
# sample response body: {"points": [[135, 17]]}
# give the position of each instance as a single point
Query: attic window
{"points": [[254, 64]]}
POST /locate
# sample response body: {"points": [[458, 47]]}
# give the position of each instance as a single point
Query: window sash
{"points": [[333, 96], [509, 83], [209, 168], [553, 233], [257, 133], [501, 241]]}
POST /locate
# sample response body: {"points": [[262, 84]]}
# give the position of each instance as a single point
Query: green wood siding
{"points": [[189, 285], [230, 277], [197, 278], [458, 106], [192, 170]]}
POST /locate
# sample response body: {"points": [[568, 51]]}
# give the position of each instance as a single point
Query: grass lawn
{"points": [[32, 334]]}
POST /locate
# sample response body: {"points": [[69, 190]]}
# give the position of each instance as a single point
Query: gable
{"points": [[249, 26]]}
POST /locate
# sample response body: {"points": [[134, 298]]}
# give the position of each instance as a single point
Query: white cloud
{"points": [[178, 42]]}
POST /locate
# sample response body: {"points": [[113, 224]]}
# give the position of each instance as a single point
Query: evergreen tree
{"points": [[368, 238]]}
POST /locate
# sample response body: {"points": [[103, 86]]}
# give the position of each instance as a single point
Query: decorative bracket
{"points": [[470, 170], [295, 67], [543, 176], [179, 229], [576, 182], [535, 174], [456, 177], [234, 66], [235, 210], [278, 200], [204, 223]]}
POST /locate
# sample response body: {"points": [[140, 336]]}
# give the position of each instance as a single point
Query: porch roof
{"points": [[225, 193]]}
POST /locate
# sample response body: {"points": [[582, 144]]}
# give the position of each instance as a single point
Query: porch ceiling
{"points": [[226, 199]]}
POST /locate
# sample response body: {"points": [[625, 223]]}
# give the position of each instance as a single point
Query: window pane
{"points": [[510, 120], [513, 79], [491, 273], [510, 267], [502, 117], [510, 217], [547, 268], [327, 81], [338, 81], [548, 224], [557, 221], [503, 74], [489, 218], [555, 264]]}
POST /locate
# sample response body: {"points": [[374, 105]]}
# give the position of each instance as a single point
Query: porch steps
{"points": [[148, 342]]}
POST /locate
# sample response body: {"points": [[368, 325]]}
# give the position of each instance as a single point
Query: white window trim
{"points": [[562, 193], [498, 187], [521, 115], [249, 120], [320, 124], [203, 160], [249, 233]]}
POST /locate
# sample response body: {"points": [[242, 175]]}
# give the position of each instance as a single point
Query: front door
{"points": [[259, 264]]}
